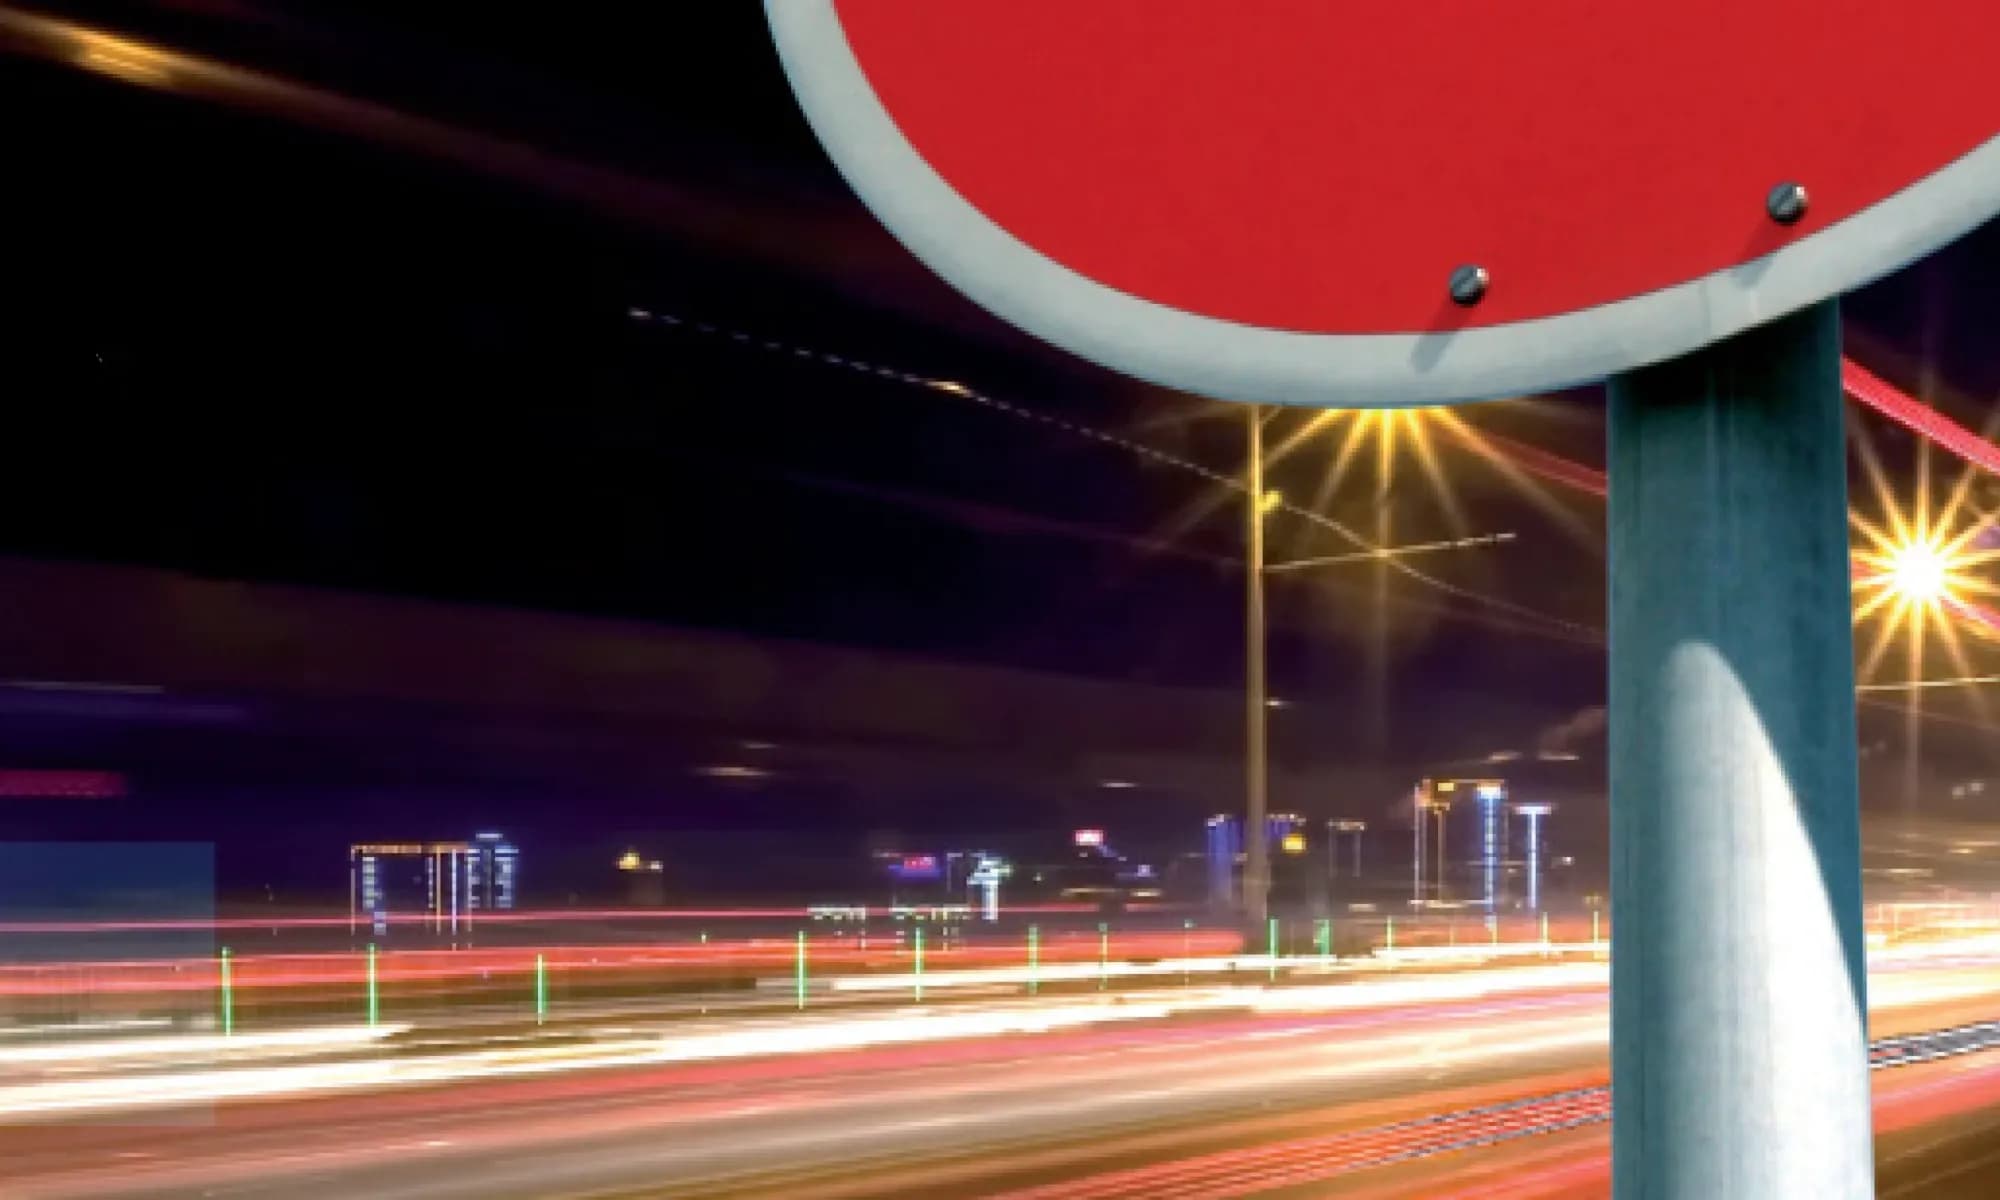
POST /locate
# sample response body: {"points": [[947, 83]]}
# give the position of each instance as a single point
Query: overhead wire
{"points": [[1545, 622]]}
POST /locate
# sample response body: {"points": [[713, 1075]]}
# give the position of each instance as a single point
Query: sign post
{"points": [[1350, 203], [1739, 982]]}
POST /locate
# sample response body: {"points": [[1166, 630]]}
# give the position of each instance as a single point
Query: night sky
{"points": [[362, 320]]}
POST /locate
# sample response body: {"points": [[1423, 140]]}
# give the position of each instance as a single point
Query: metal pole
{"points": [[1738, 1002], [802, 969], [1034, 959], [1438, 886], [1534, 862], [1332, 860], [1256, 842], [1417, 847]]}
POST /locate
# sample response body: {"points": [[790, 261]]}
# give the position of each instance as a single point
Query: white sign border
{"points": [[1233, 361]]}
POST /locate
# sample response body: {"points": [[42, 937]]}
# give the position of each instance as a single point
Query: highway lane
{"points": [[974, 1116]]}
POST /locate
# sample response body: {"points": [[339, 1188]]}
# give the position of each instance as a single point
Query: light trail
{"points": [[285, 1042], [1271, 1167], [232, 1069], [1858, 381], [1498, 448], [1543, 623], [1876, 567], [831, 951], [1402, 551], [972, 1115], [1920, 418], [1918, 685], [528, 917], [129, 1092]]}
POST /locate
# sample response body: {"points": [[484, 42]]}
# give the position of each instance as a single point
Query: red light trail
{"points": [[1858, 381], [831, 949], [1920, 418], [511, 917]]}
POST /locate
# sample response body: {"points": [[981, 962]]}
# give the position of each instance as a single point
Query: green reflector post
{"points": [[1545, 933], [1593, 927], [1325, 939], [541, 989], [1272, 952], [1187, 948], [374, 999], [228, 997], [1389, 933], [918, 978], [1103, 955], [802, 968], [1034, 959]]}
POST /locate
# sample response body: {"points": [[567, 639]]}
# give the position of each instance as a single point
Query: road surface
{"points": [[1488, 1095]]}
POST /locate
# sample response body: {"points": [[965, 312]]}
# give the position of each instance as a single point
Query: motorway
{"points": [[1478, 1082]]}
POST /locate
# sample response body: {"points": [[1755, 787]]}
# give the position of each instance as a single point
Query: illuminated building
{"points": [[1534, 813], [1225, 848], [911, 874], [490, 868], [1285, 836], [984, 882], [439, 879], [1432, 804], [1336, 829], [1492, 798], [645, 880]]}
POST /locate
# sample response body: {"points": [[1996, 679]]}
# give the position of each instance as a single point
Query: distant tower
{"points": [[1432, 802], [1335, 830], [1492, 796], [490, 867], [1533, 813], [1225, 846]]}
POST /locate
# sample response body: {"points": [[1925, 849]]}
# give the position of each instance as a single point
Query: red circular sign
{"points": [[1150, 171]]}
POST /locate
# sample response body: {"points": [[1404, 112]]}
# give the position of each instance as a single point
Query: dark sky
{"points": [[359, 318]]}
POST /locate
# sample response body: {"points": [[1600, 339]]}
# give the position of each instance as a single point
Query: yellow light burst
{"points": [[1385, 430], [1920, 572], [1917, 570]]}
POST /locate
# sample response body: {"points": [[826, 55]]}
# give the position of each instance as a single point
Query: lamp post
{"points": [[1256, 840], [1257, 702]]}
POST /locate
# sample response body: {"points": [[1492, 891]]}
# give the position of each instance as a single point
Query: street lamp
{"points": [[1260, 501], [1256, 840]]}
